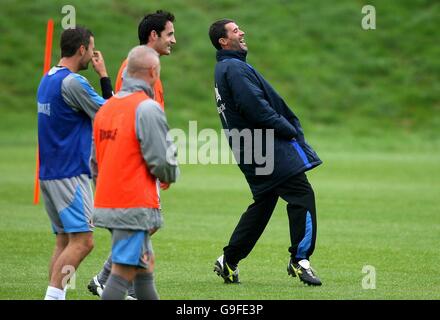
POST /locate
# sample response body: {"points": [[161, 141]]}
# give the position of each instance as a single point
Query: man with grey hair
{"points": [[132, 152]]}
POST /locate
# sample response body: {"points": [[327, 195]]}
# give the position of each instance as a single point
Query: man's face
{"points": [[166, 40], [234, 38], [86, 54]]}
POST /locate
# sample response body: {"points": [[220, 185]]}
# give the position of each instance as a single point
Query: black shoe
{"points": [[221, 267], [95, 286], [304, 271]]}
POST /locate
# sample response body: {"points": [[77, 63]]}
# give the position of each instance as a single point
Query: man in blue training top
{"points": [[249, 106], [67, 104]]}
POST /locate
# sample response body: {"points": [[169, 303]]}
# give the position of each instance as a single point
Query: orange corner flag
{"points": [[47, 63]]}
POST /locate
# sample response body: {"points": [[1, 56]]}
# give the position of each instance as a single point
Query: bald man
{"points": [[132, 153]]}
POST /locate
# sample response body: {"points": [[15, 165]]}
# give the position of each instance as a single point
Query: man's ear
{"points": [[153, 35], [82, 50], [223, 41], [152, 73]]}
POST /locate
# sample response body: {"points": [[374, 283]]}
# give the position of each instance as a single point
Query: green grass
{"points": [[315, 53], [374, 208], [369, 102]]}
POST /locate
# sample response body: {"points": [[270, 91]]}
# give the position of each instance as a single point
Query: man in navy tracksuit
{"points": [[248, 105]]}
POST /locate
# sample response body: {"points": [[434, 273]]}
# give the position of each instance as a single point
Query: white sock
{"points": [[64, 293], [53, 293], [304, 263]]}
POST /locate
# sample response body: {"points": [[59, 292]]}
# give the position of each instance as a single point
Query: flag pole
{"points": [[47, 63]]}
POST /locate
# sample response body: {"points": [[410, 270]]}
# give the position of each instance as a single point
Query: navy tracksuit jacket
{"points": [[245, 100]]}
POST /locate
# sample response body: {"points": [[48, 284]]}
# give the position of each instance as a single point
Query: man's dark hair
{"points": [[217, 31], [72, 39], [153, 21]]}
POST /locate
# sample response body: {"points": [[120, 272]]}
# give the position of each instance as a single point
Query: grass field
{"points": [[314, 53], [374, 208], [369, 102]]}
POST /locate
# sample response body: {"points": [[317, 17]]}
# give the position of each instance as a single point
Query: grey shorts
{"points": [[69, 204], [131, 247]]}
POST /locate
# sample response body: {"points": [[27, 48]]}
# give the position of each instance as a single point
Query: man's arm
{"points": [[99, 66], [106, 87], [252, 104], [158, 150], [80, 95]]}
